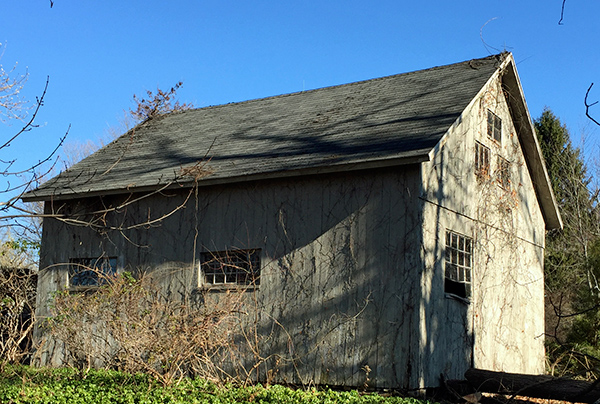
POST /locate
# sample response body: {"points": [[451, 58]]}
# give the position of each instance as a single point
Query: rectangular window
{"points": [[458, 264], [503, 172], [232, 267], [494, 126], [91, 272], [482, 160]]}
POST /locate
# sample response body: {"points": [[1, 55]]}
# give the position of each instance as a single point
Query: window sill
{"points": [[460, 299], [82, 289], [226, 287]]}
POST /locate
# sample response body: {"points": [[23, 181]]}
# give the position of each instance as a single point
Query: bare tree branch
{"points": [[12, 105], [30, 124], [33, 175], [157, 104], [587, 105], [562, 12]]}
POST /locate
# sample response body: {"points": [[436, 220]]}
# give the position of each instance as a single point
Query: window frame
{"points": [[494, 126], [458, 273], [91, 271], [482, 160], [233, 268], [503, 172]]}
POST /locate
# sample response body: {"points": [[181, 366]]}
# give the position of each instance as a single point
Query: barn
{"points": [[390, 229]]}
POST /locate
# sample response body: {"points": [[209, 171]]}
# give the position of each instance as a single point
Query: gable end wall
{"points": [[502, 326]]}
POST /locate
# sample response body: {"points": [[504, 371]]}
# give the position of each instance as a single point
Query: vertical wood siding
{"points": [[339, 265]]}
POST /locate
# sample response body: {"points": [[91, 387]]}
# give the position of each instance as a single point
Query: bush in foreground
{"points": [[29, 385]]}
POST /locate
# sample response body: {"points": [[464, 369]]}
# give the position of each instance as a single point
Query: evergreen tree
{"points": [[572, 260], [568, 250]]}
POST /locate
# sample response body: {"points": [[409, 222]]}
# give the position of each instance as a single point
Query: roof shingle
{"points": [[391, 118]]}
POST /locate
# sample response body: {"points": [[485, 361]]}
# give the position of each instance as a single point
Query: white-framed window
{"points": [[91, 272], [482, 161], [230, 267], [503, 172], [494, 126], [458, 264]]}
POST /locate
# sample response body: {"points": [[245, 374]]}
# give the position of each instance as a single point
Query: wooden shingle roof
{"points": [[390, 120]]}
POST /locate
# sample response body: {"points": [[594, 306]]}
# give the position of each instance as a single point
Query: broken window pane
{"points": [[236, 267], [91, 271], [458, 264]]}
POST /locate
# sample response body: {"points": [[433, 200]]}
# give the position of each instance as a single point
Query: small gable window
{"points": [[458, 264], [91, 272], [494, 126], [503, 172], [231, 267], [482, 161]]}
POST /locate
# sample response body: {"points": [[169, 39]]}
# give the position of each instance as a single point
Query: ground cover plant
{"points": [[22, 384]]}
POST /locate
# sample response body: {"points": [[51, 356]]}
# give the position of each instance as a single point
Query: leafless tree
{"points": [[17, 274]]}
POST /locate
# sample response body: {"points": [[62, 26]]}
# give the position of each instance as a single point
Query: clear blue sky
{"points": [[98, 54]]}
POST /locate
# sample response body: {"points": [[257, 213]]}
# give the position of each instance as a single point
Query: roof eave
{"points": [[415, 157], [530, 145]]}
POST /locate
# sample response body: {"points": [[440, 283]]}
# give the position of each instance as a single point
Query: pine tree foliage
{"points": [[572, 257], [568, 251]]}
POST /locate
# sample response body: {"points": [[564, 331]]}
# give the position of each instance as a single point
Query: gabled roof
{"points": [[529, 143], [385, 121]]}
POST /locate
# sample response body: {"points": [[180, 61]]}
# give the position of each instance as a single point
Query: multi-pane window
{"points": [[91, 272], [482, 160], [494, 126], [458, 264], [235, 267], [503, 172]]}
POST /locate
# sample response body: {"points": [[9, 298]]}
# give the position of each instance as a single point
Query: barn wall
{"points": [[337, 297], [511, 283], [352, 282], [501, 328]]}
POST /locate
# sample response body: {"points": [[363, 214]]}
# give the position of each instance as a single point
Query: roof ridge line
{"points": [[314, 90]]}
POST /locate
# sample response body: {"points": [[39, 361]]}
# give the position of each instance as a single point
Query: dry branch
{"points": [[17, 305], [562, 13], [132, 325], [587, 105]]}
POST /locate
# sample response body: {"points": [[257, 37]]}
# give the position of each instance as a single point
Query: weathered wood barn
{"points": [[392, 227]]}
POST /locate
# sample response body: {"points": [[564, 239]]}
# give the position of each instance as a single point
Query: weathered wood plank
{"points": [[537, 386]]}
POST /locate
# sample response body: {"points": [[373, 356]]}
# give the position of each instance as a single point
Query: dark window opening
{"points": [[494, 126], [503, 172], [458, 264], [482, 161], [232, 267], [91, 272]]}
